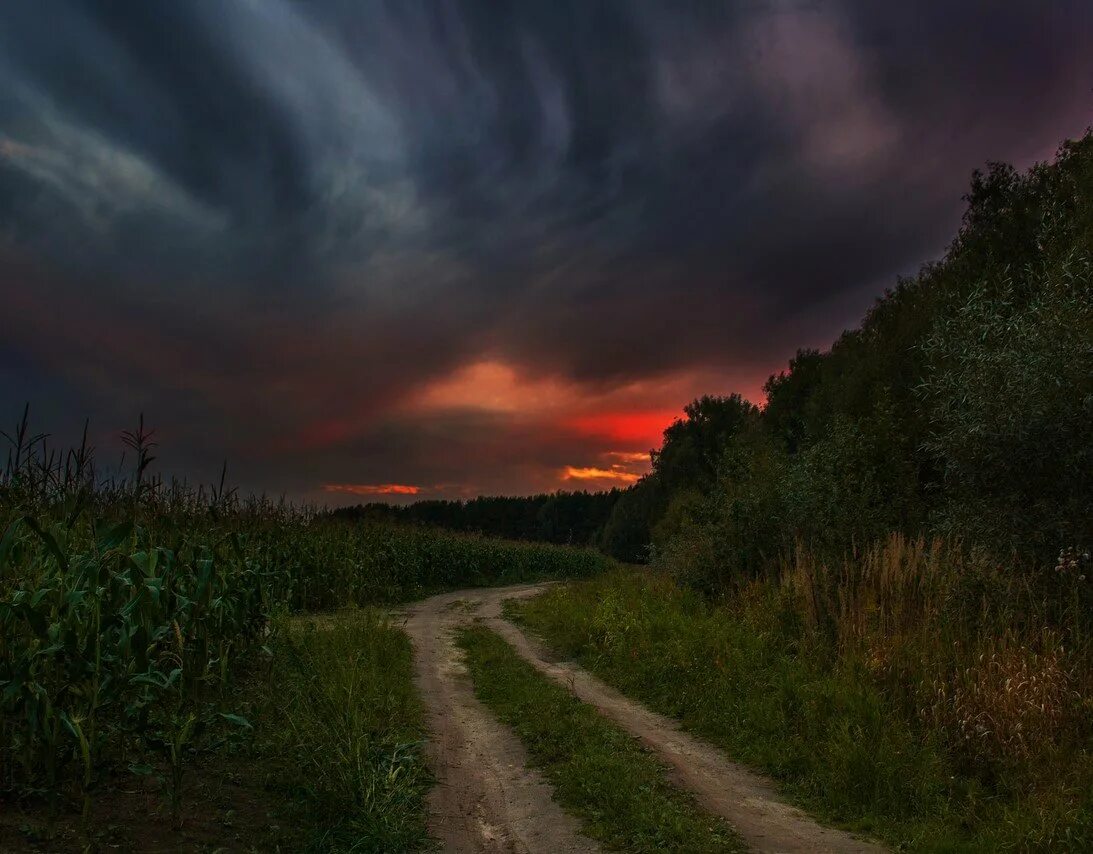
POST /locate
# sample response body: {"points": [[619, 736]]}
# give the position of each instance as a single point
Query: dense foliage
{"points": [[566, 518], [963, 405], [126, 606]]}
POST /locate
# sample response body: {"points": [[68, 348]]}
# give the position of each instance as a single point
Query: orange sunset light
{"points": [[372, 488], [495, 387], [592, 473], [628, 457]]}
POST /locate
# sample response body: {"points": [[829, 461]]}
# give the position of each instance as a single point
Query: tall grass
{"points": [[127, 603], [915, 690], [999, 662], [344, 715]]}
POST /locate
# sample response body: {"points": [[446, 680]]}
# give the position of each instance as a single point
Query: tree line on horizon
{"points": [[565, 518], [962, 406]]}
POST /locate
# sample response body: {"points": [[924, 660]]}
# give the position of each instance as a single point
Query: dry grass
{"points": [[1010, 702], [994, 659]]}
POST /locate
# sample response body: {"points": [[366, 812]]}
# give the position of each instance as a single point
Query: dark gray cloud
{"points": [[268, 223]]}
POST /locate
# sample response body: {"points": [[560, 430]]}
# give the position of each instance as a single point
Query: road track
{"points": [[487, 799]]}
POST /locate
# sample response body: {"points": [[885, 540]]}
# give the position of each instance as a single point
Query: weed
{"points": [[341, 708]]}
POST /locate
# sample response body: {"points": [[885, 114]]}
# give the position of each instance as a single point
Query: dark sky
{"points": [[468, 247]]}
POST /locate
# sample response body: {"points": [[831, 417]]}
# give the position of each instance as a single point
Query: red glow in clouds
{"points": [[629, 427], [372, 488]]}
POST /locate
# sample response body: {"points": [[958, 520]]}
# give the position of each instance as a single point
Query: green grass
{"points": [[599, 773], [341, 715], [739, 675]]}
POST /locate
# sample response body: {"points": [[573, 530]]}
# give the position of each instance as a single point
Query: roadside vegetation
{"points": [[878, 587], [904, 693], [960, 408], [132, 611], [342, 719], [599, 772]]}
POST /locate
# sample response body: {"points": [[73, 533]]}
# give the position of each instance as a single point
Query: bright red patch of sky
{"points": [[630, 428]]}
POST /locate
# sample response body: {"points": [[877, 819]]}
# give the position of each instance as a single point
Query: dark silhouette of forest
{"points": [[962, 406], [574, 518]]}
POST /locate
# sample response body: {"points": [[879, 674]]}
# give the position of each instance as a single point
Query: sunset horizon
{"points": [[400, 261]]}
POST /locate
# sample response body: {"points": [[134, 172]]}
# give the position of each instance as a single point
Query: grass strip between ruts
{"points": [[599, 772]]}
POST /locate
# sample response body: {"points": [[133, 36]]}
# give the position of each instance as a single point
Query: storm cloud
{"points": [[478, 246]]}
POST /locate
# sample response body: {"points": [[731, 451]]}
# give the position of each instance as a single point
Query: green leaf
{"points": [[238, 720], [70, 725], [152, 678], [50, 542], [49, 650], [115, 536], [8, 541], [39, 595]]}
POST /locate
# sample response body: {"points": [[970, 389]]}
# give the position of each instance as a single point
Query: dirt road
{"points": [[486, 799]]}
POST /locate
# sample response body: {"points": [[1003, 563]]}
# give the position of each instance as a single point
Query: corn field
{"points": [[129, 604]]}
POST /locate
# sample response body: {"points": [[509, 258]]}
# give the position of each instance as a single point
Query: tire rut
{"points": [[486, 798], [481, 770]]}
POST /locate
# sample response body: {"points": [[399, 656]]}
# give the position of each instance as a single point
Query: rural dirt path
{"points": [[487, 799]]}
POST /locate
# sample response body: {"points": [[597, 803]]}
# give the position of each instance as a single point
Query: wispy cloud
{"points": [[372, 488], [627, 457], [614, 475]]}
